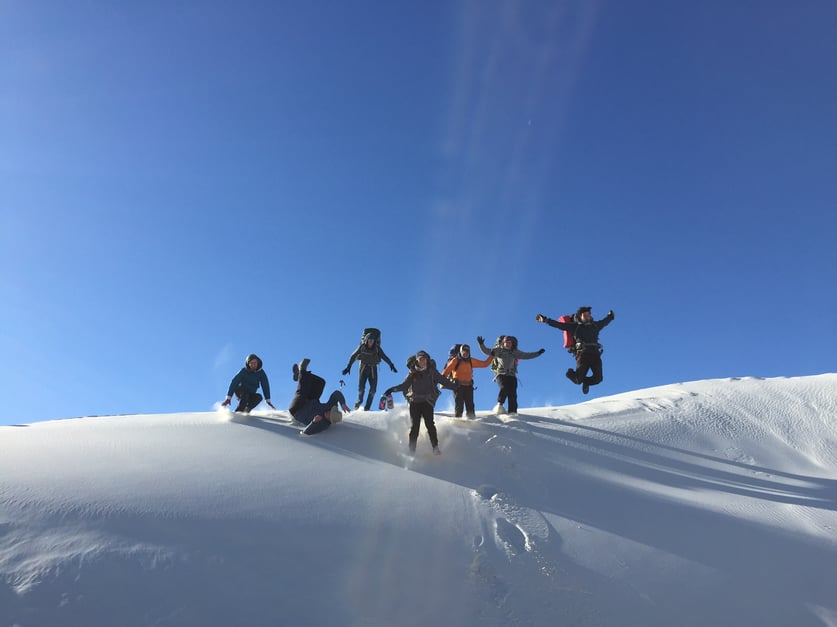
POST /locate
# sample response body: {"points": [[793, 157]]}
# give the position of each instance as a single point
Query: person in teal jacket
{"points": [[245, 386]]}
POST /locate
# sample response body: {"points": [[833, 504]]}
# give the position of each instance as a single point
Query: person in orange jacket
{"points": [[460, 368]]}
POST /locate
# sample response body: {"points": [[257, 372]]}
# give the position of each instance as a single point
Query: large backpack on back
{"points": [[574, 346], [453, 353], [499, 344], [375, 334], [569, 340]]}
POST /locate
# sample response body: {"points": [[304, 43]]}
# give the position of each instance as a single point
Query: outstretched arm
{"points": [[481, 342], [601, 324], [564, 326], [524, 355], [352, 358], [398, 388], [387, 359]]}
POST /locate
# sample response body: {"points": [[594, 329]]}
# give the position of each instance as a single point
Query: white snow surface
{"points": [[703, 503]]}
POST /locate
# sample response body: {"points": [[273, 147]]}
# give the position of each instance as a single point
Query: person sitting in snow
{"points": [[306, 407], [245, 386], [587, 350], [420, 389]]}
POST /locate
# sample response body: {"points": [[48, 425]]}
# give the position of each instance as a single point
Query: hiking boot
{"points": [[358, 404], [499, 409], [295, 369], [571, 375], [471, 416], [436, 450], [585, 387]]}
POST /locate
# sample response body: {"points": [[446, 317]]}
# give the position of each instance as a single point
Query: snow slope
{"points": [[703, 503]]}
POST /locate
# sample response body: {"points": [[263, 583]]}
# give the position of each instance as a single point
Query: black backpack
{"points": [[454, 354], [375, 334]]}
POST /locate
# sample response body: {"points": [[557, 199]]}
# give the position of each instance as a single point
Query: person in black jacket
{"points": [[306, 407], [420, 388], [587, 350]]}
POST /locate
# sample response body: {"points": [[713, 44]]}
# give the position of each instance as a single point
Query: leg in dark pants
{"points": [[373, 387], [584, 363], [419, 411], [247, 401], [508, 390], [459, 402], [309, 387], [367, 374], [464, 397]]}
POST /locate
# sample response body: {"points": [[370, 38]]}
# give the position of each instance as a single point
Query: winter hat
{"points": [[422, 354], [335, 415], [581, 310]]}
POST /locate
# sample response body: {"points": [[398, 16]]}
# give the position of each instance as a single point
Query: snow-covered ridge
{"points": [[710, 502]]}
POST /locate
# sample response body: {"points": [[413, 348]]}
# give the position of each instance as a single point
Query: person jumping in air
{"points": [[584, 344]]}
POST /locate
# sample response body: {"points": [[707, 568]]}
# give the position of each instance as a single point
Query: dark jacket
{"points": [[586, 334], [420, 385], [369, 356]]}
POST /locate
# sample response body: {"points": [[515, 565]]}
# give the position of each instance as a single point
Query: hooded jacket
{"points": [[249, 380]]}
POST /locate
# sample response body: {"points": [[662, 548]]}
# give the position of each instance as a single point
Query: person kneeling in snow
{"points": [[306, 407], [245, 385]]}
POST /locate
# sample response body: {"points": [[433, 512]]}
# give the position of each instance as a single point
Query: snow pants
{"points": [[419, 411], [463, 397], [247, 401], [589, 361], [368, 373], [508, 390]]}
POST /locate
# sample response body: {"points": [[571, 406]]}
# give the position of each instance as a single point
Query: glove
{"points": [[393, 368], [480, 339], [542, 351], [610, 313], [345, 371], [225, 402], [540, 318]]}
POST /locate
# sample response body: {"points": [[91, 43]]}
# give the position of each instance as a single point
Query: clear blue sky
{"points": [[182, 183]]}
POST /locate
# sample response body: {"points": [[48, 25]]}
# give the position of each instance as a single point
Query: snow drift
{"points": [[704, 503]]}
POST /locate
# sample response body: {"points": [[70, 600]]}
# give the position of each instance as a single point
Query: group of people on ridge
{"points": [[421, 385]]}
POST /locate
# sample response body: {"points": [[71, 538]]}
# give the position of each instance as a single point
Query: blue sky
{"points": [[184, 183]]}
